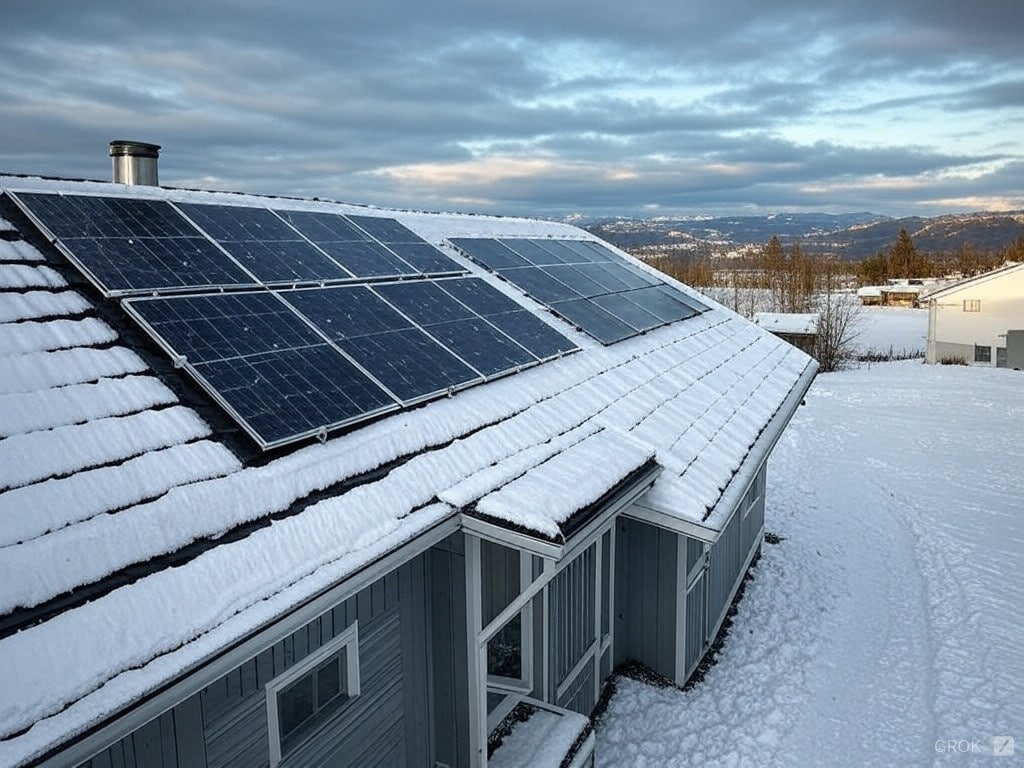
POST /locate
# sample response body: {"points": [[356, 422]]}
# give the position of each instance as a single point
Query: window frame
{"points": [[983, 353], [972, 305], [348, 642]]}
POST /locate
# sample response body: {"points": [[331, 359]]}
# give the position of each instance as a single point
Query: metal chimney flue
{"points": [[135, 163]]}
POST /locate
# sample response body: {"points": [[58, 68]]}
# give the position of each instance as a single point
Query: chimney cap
{"points": [[122, 148]]}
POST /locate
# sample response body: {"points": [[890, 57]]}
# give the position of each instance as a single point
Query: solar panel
{"points": [[541, 285], [489, 253], [663, 302], [629, 312], [586, 283], [260, 240], [413, 249], [455, 325], [525, 328], [576, 279], [533, 252], [600, 324], [350, 246], [402, 357], [132, 245], [277, 376]]}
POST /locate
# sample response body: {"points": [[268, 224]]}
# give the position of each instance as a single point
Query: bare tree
{"points": [[838, 318]]}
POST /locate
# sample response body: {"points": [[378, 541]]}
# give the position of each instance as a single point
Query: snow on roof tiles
{"points": [[25, 276], [105, 436], [21, 338], [787, 322], [537, 499], [18, 250], [36, 304]]}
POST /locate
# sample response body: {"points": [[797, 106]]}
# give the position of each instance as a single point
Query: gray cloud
{"points": [[531, 108]]}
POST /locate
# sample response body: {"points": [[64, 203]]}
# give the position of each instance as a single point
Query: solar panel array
{"points": [[585, 283], [296, 322], [290, 363], [131, 246]]}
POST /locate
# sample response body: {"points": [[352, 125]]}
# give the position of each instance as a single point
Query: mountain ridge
{"points": [[850, 236]]}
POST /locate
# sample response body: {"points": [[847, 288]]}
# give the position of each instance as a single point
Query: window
{"points": [[972, 305], [306, 695], [982, 354]]}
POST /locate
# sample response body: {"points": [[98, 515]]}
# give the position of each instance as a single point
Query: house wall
{"points": [[225, 724], [1015, 348], [645, 595], [449, 659], [953, 332], [673, 591]]}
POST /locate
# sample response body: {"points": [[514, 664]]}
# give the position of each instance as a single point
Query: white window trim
{"points": [[349, 638]]}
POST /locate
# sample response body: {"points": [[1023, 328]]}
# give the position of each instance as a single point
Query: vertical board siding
{"points": [[579, 696], [696, 627], [645, 595], [724, 568], [449, 665], [573, 594]]}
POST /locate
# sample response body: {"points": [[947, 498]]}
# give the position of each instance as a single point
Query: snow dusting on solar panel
{"points": [[295, 322], [585, 283]]}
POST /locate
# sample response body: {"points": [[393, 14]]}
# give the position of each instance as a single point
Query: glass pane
{"points": [[493, 700], [505, 651], [499, 574], [295, 704], [329, 680]]}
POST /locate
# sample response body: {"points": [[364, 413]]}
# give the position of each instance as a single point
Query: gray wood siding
{"points": [[579, 697], [572, 602], [723, 571], [645, 595], [371, 725], [225, 724], [446, 568], [696, 625]]}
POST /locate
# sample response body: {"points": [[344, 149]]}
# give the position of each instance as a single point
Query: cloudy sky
{"points": [[544, 107]]}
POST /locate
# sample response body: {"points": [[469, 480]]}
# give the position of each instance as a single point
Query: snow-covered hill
{"points": [[885, 628]]}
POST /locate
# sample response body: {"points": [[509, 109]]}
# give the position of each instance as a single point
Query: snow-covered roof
{"points": [[870, 290], [788, 322], [995, 274], [103, 469], [902, 288]]}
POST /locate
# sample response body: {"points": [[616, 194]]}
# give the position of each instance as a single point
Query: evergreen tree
{"points": [[904, 260]]}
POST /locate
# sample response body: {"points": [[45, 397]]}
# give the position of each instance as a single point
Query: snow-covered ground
{"points": [[902, 329], [887, 628]]}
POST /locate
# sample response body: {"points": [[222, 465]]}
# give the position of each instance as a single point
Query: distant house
{"points": [[870, 295], [289, 482], [979, 320], [800, 330]]}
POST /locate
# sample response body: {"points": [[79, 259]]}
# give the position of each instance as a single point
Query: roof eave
{"points": [[711, 526]]}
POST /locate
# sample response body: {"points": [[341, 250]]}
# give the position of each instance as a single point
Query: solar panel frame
{"points": [[217, 366], [532, 251], [594, 320], [540, 285], [488, 252], [271, 249], [115, 248], [384, 341], [423, 257]]}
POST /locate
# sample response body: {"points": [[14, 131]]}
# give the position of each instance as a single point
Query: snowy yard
{"points": [[886, 629]]}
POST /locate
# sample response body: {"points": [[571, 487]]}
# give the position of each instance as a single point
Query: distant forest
{"points": [[793, 274]]}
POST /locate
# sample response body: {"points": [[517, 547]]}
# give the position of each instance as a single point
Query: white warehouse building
{"points": [[980, 320]]}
